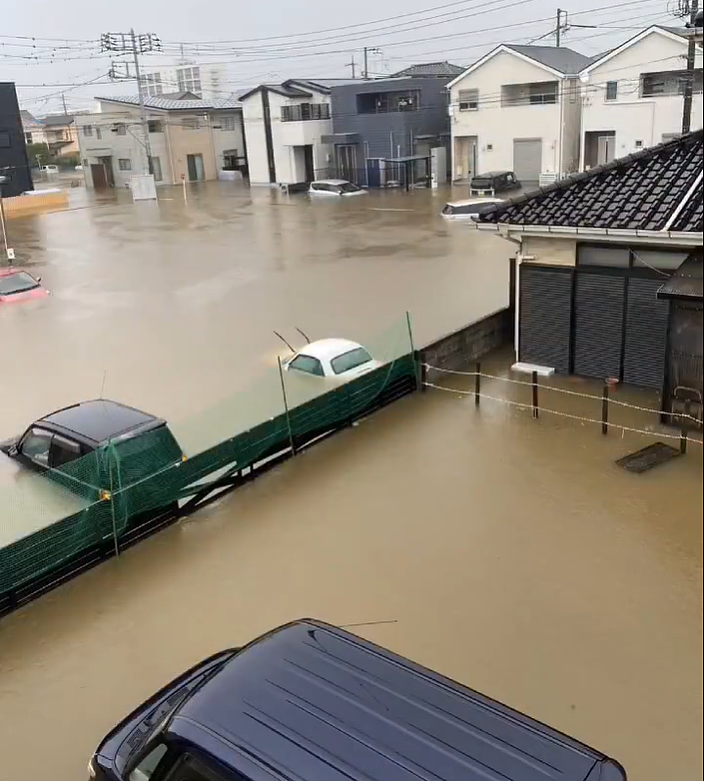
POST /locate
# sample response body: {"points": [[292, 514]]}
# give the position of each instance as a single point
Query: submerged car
{"points": [[340, 358], [493, 182], [17, 285], [467, 209], [312, 702], [334, 188]]}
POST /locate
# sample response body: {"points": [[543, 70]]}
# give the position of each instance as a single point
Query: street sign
{"points": [[10, 253]]}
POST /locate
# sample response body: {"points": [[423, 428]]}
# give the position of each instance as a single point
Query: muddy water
{"points": [[509, 553]]}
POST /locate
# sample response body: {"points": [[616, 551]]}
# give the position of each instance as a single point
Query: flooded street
{"points": [[508, 553]]}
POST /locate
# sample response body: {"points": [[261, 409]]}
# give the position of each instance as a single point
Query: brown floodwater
{"points": [[508, 553]]}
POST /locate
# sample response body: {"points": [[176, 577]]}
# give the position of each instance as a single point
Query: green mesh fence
{"points": [[91, 503]]}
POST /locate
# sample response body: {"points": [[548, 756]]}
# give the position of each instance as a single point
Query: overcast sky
{"points": [[292, 37]]}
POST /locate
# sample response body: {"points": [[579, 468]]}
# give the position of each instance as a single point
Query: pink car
{"points": [[17, 285]]}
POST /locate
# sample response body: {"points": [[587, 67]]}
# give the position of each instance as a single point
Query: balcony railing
{"points": [[305, 112], [538, 93]]}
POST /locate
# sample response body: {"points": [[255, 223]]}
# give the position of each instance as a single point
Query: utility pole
{"points": [[135, 45], [63, 101], [558, 28], [353, 65], [367, 51], [691, 58]]}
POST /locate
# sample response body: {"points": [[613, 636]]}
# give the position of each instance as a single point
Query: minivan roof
{"points": [[100, 420], [312, 701]]}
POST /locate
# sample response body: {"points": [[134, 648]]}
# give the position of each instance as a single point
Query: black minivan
{"points": [[312, 702], [493, 182]]}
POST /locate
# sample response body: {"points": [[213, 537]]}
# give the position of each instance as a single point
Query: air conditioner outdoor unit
{"points": [[547, 178]]}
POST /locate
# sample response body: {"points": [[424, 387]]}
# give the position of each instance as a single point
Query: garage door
{"points": [[527, 159]]}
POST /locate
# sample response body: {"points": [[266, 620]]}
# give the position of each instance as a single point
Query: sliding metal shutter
{"points": [[598, 325], [646, 334], [545, 310]]}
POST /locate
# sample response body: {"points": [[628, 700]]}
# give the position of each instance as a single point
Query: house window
{"points": [[124, 164], [611, 90], [303, 112], [542, 93], [28, 138], [191, 123], [388, 102], [98, 133], [227, 123], [469, 99], [537, 93], [155, 168], [87, 131], [189, 80], [155, 126], [121, 130], [669, 83], [639, 144]]}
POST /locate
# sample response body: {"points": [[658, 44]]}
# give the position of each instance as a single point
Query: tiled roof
{"points": [[27, 118], [687, 282], [639, 192], [57, 120], [560, 59], [169, 104], [440, 69]]}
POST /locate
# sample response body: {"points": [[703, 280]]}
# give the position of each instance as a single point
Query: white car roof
{"points": [[330, 181], [473, 201], [327, 349]]}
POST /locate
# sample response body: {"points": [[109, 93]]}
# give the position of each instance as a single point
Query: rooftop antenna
{"points": [[102, 387]]}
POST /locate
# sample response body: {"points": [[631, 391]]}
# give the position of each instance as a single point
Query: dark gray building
{"points": [[380, 125], [13, 153]]}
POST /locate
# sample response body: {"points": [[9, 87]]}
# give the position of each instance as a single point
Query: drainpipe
{"points": [[558, 166], [212, 145], [168, 148]]}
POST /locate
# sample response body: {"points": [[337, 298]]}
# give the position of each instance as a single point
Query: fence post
{"points": [[605, 409], [416, 356], [423, 374], [288, 415], [684, 427], [535, 395], [477, 382], [111, 456]]}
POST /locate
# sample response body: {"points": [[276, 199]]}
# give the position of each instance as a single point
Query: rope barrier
{"points": [[522, 405], [561, 390]]}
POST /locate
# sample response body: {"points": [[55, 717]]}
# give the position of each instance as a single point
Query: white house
{"points": [[633, 95], [518, 109], [208, 81], [189, 139], [284, 125]]}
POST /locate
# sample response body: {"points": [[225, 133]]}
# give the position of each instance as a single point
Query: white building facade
{"points": [[517, 109], [191, 140], [205, 81], [284, 125], [633, 96]]}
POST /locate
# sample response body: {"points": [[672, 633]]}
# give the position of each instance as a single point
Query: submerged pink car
{"points": [[17, 285]]}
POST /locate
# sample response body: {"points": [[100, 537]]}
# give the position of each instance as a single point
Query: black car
{"points": [[312, 702], [493, 182], [141, 445]]}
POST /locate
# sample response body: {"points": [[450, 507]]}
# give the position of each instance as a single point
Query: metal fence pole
{"points": [[535, 395], [416, 358], [684, 427], [605, 409], [477, 382], [288, 415]]}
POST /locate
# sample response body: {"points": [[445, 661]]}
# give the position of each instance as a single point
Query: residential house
{"points": [[384, 129], [61, 135], [33, 128], [609, 281], [518, 109], [633, 95], [189, 139], [284, 125], [14, 165]]}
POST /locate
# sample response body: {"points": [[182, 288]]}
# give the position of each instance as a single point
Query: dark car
{"points": [[311, 702], [140, 445], [493, 182]]}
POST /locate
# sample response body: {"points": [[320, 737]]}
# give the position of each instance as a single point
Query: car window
{"points": [[63, 451], [307, 364], [510, 178], [35, 446], [348, 187], [17, 283], [149, 764], [190, 769], [350, 360], [320, 187]]}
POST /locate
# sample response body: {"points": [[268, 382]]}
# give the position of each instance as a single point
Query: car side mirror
{"points": [[39, 279]]}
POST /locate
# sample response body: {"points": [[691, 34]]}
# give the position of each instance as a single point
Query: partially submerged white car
{"points": [[467, 209], [332, 358], [334, 188]]}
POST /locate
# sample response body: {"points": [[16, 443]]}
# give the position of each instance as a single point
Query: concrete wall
{"points": [[460, 349], [391, 134], [498, 126], [631, 117]]}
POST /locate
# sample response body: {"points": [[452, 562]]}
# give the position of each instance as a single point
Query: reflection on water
{"points": [[512, 553]]}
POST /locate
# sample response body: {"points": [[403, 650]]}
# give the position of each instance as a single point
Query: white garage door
{"points": [[527, 159]]}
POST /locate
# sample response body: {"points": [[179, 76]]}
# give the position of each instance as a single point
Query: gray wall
{"points": [[13, 153], [375, 130]]}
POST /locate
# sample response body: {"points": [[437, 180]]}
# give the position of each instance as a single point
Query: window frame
{"points": [[466, 105], [59, 439], [29, 432], [87, 131], [121, 129], [611, 91], [349, 368], [292, 365], [124, 164]]}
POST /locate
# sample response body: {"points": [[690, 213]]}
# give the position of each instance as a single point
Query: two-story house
{"points": [[189, 139], [633, 95], [61, 135], [284, 125], [518, 109], [384, 129]]}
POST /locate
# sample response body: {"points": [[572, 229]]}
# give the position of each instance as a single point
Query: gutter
{"points": [[676, 213], [664, 236]]}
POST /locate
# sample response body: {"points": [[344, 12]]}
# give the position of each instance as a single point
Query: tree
{"points": [[39, 154]]}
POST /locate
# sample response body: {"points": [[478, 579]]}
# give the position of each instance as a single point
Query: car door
{"points": [[34, 449]]}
